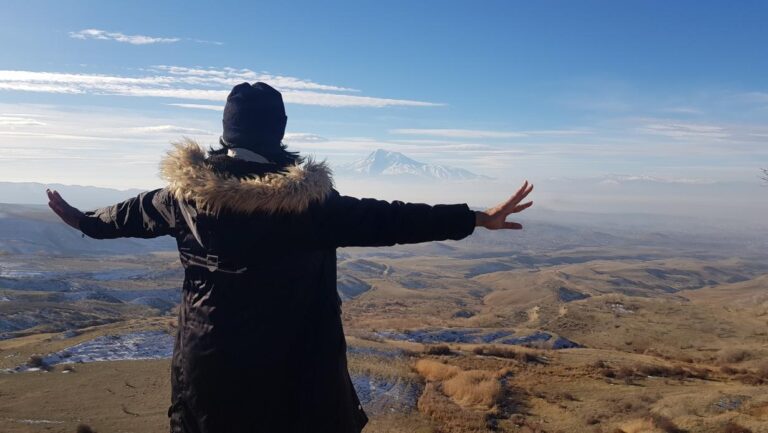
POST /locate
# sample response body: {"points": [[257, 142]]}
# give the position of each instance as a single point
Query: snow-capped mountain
{"points": [[395, 164]]}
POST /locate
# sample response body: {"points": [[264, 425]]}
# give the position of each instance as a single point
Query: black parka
{"points": [[260, 345]]}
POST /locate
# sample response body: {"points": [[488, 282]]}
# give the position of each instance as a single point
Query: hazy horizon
{"points": [[580, 99]]}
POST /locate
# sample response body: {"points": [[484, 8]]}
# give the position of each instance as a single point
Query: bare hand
{"points": [[495, 218], [67, 213]]}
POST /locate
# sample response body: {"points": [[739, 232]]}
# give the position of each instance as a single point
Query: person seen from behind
{"points": [[260, 345]]}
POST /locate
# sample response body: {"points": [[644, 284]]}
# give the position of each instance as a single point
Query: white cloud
{"points": [[475, 133], [685, 130], [205, 41], [192, 84], [336, 100], [169, 129], [617, 179], [303, 137], [683, 110], [230, 76], [121, 37], [19, 121], [200, 106], [458, 133]]}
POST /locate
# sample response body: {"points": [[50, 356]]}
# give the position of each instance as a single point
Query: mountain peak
{"points": [[383, 162]]}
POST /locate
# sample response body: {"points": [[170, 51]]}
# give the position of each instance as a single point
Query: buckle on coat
{"points": [[212, 260]]}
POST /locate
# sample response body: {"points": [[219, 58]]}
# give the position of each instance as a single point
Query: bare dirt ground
{"points": [[462, 343]]}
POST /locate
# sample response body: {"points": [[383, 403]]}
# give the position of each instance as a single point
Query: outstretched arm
{"points": [[348, 221], [148, 215]]}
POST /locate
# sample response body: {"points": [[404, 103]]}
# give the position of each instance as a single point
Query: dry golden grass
{"points": [[474, 388], [436, 371], [450, 417], [460, 400]]}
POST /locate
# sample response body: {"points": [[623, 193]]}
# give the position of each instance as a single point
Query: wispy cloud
{"points": [[121, 37], [685, 130], [303, 137], [202, 84], [228, 76], [169, 129], [683, 110], [200, 106], [458, 133], [19, 121], [205, 41], [475, 133]]}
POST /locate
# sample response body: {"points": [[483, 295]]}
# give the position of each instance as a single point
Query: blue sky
{"points": [[669, 92]]}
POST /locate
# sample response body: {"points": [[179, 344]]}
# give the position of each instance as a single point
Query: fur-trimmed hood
{"points": [[190, 176]]}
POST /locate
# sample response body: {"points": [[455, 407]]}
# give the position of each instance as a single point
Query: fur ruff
{"points": [[190, 177]]}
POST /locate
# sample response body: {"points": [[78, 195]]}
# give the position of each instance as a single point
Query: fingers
{"points": [[58, 198], [521, 194], [522, 207], [512, 226], [56, 202]]}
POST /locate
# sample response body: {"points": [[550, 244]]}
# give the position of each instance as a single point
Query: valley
{"points": [[580, 327]]}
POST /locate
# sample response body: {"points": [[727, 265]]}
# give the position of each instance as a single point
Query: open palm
{"points": [[495, 218], [68, 213]]}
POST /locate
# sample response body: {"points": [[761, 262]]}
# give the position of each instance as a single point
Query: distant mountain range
{"points": [[35, 229], [384, 163], [85, 197]]}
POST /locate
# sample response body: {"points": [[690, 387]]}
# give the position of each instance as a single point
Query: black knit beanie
{"points": [[254, 118]]}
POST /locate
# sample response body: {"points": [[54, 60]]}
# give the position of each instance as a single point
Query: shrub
{"points": [[82, 428], [676, 372], [730, 356], [732, 427], [37, 361], [507, 352], [627, 374], [666, 425], [592, 420], [440, 349], [762, 370], [751, 379], [727, 369]]}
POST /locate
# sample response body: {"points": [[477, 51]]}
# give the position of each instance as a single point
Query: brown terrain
{"points": [[557, 336]]}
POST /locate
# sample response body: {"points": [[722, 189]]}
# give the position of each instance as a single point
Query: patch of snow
{"points": [[117, 274], [528, 339], [567, 295], [370, 351], [619, 308], [450, 335], [132, 346], [36, 421], [564, 343], [729, 402], [19, 273], [380, 395]]}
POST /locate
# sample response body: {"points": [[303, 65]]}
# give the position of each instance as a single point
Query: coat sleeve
{"points": [[348, 221], [148, 215]]}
